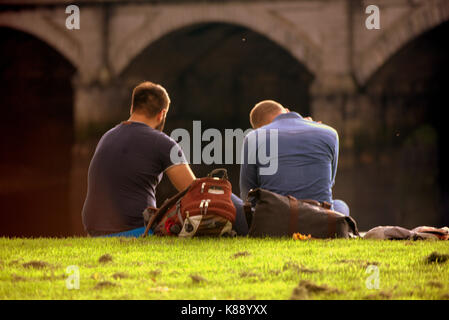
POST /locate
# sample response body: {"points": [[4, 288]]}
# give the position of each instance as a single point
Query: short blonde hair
{"points": [[263, 113]]}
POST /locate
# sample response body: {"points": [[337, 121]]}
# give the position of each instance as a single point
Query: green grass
{"points": [[162, 268]]}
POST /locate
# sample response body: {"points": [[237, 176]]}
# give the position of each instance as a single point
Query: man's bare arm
{"points": [[180, 175]]}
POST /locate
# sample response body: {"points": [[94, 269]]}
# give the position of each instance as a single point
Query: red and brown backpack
{"points": [[202, 209]]}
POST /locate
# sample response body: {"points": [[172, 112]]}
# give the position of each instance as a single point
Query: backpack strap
{"points": [[294, 212], [248, 205], [157, 216], [353, 225], [223, 171], [331, 225], [324, 204]]}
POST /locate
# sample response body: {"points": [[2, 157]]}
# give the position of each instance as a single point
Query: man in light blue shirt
{"points": [[290, 155]]}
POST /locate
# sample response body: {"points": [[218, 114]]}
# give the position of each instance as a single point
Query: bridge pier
{"points": [[381, 176]]}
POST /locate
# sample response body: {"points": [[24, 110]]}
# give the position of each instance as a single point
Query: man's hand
{"points": [[180, 175]]}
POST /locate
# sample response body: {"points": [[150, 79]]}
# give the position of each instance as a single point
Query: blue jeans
{"points": [[240, 225], [341, 206], [130, 233]]}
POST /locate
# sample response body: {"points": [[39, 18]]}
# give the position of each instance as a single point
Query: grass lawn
{"points": [[242, 268]]}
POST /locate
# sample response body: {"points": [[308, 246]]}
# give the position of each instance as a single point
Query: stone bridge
{"points": [[353, 78]]}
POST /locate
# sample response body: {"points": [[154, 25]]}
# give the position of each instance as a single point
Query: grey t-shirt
{"points": [[128, 164]]}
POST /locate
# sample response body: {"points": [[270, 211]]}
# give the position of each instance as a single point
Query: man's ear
{"points": [[161, 114]]}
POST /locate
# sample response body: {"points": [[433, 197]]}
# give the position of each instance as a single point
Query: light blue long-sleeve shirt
{"points": [[306, 159]]}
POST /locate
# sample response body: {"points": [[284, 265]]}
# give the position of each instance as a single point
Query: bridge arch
{"points": [[222, 67], [42, 26], [268, 24], [414, 24], [36, 135]]}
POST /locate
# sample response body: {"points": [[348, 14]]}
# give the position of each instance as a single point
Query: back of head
{"points": [[149, 99], [264, 112]]}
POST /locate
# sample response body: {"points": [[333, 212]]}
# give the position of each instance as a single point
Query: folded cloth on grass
{"points": [[399, 233]]}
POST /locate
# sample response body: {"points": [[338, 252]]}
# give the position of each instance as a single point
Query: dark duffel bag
{"points": [[272, 215]]}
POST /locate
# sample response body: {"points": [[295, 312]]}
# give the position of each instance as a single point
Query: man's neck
{"points": [[135, 117]]}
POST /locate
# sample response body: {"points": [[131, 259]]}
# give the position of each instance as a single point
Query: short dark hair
{"points": [[262, 112], [149, 98]]}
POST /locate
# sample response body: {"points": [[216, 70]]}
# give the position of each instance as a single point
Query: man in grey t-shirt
{"points": [[128, 164]]}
